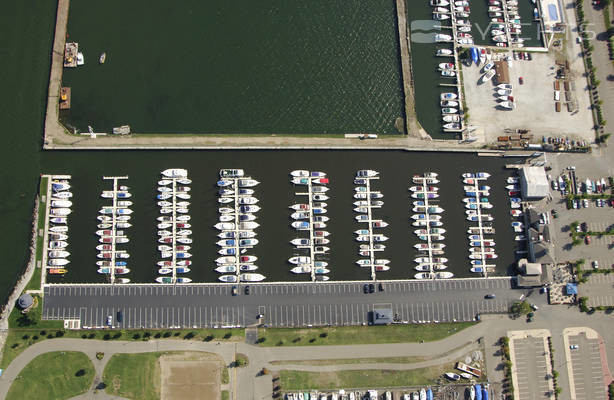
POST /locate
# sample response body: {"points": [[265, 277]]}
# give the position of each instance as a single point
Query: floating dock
{"points": [[113, 251], [370, 196], [481, 227]]}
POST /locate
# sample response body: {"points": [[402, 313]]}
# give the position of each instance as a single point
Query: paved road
{"points": [[282, 304]]}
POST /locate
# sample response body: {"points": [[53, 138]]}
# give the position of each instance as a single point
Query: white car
{"points": [[574, 347], [109, 320], [595, 264]]}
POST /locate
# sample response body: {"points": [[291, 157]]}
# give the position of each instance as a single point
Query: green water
{"points": [[280, 66]]}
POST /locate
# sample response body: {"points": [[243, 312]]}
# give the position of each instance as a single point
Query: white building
{"points": [[534, 183]]}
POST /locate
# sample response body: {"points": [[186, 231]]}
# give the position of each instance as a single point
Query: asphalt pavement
{"points": [[278, 304]]}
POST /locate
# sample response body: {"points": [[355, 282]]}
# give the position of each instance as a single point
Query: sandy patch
{"points": [[184, 377]]}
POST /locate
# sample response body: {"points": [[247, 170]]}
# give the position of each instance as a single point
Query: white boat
{"points": [[508, 105], [60, 212], [59, 186], [231, 173], [175, 173], [299, 260], [448, 103], [224, 226], [226, 269], [59, 229], [57, 262], [366, 173], [441, 37], [244, 183], [228, 278], [57, 244], [59, 254], [448, 96], [248, 200], [61, 203], [301, 269], [61, 195], [319, 189], [444, 52], [300, 173], [251, 277], [488, 76]]}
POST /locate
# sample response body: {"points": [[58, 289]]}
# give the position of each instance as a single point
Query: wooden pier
{"points": [[373, 263]]}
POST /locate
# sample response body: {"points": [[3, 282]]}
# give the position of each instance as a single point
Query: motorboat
{"points": [[231, 173], [442, 37], [362, 218], [251, 277], [379, 224], [320, 240], [433, 246], [61, 203], [488, 76], [57, 236], [224, 226], [449, 110], [448, 96], [320, 197], [448, 73], [226, 210], [452, 376], [61, 195], [58, 229], [300, 215], [443, 275], [444, 53], [425, 216], [226, 269], [228, 278], [175, 173], [299, 260], [441, 16], [508, 105], [58, 244], [57, 262], [60, 212], [300, 207], [448, 103], [246, 183], [249, 209], [59, 186], [451, 118], [248, 200], [59, 254]]}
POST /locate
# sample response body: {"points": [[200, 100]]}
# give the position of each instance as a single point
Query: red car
{"points": [[521, 80], [587, 239]]}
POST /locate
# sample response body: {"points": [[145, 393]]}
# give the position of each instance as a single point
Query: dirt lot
{"points": [[535, 106], [184, 377]]}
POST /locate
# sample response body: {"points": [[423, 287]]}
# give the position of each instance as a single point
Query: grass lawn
{"points": [[295, 380], [135, 376], [24, 332], [358, 334], [57, 375], [225, 395]]}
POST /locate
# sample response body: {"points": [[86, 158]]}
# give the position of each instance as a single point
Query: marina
{"points": [[481, 250], [427, 218], [112, 222], [371, 243], [275, 195], [174, 226], [237, 223], [310, 217]]}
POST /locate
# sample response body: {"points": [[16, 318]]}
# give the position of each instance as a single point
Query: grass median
{"points": [[359, 334], [56, 375]]}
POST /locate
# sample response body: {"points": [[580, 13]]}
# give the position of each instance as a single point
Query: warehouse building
{"points": [[534, 183]]}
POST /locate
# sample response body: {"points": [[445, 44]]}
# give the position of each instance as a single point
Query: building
{"points": [[534, 183], [381, 315], [533, 274], [25, 302]]}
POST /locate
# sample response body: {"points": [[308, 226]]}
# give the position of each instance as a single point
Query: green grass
{"points": [[55, 375], [225, 376], [135, 376], [225, 395], [359, 334], [297, 380], [399, 360], [24, 333]]}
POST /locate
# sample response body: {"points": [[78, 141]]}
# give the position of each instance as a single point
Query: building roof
{"points": [[24, 301], [534, 217], [571, 288], [528, 268], [541, 253], [533, 274], [534, 182], [382, 315], [502, 70]]}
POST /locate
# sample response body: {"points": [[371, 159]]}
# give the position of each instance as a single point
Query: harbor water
{"points": [[276, 194], [28, 32]]}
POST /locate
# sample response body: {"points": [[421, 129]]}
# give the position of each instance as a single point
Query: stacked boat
{"points": [[513, 191], [113, 220], [237, 221], [505, 95], [174, 233], [426, 218], [59, 209], [505, 23], [371, 243], [452, 119], [481, 245], [309, 219]]}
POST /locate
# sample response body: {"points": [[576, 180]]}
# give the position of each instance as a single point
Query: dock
{"points": [[65, 96], [477, 182], [314, 237], [370, 195], [114, 206], [423, 182]]}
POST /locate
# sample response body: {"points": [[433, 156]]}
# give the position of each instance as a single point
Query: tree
{"points": [[520, 308]]}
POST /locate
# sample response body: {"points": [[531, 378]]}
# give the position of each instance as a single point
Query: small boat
{"points": [[508, 105], [440, 16], [488, 76], [59, 186], [251, 277], [60, 212], [449, 110], [61, 203], [59, 244], [57, 262], [58, 229], [231, 173], [448, 73], [175, 173], [452, 376], [300, 260], [59, 254], [228, 278], [61, 195], [448, 96], [448, 103], [57, 271], [444, 53], [443, 275], [57, 236], [441, 37]]}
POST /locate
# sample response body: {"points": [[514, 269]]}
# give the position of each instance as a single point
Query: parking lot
{"points": [[597, 219], [531, 361], [598, 289], [586, 366], [280, 304]]}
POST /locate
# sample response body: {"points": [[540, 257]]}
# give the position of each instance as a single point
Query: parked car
{"points": [[595, 264], [587, 239], [490, 296], [234, 291], [574, 347]]}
